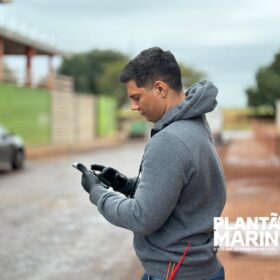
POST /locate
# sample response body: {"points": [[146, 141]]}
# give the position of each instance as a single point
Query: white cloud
{"points": [[223, 38]]}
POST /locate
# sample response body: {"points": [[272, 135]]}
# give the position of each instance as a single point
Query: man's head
{"points": [[153, 80]]}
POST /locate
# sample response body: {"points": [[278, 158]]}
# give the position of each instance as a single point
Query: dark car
{"points": [[11, 149]]}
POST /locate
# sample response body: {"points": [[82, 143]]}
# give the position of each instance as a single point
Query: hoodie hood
{"points": [[200, 99]]}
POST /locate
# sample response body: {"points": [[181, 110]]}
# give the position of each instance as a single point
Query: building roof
{"points": [[16, 43]]}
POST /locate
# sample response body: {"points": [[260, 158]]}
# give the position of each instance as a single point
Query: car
{"points": [[12, 150]]}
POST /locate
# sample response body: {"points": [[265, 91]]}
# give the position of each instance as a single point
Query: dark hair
{"points": [[150, 65]]}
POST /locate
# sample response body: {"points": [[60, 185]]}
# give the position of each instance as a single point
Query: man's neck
{"points": [[175, 99]]}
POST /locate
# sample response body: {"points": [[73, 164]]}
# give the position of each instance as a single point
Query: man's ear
{"points": [[161, 88]]}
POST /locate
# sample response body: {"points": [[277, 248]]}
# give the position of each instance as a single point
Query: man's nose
{"points": [[134, 106]]}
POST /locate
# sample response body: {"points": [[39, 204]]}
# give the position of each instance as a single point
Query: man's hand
{"points": [[113, 176], [89, 180]]}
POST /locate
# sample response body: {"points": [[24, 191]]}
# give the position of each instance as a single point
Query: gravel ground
{"points": [[49, 230]]}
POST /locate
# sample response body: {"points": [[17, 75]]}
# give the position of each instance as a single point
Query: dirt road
{"points": [[253, 187]]}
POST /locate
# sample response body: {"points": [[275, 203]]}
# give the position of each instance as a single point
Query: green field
{"points": [[106, 116], [26, 112], [236, 119], [241, 118]]}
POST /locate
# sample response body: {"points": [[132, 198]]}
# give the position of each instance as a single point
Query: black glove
{"points": [[116, 179], [89, 180]]}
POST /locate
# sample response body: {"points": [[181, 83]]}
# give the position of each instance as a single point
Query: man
{"points": [[170, 209]]}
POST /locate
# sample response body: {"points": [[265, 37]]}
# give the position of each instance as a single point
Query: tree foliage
{"points": [[190, 75], [9, 75], [98, 71], [267, 88]]}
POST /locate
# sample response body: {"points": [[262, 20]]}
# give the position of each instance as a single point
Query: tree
{"points": [[109, 82], [190, 76], [267, 89], [9, 75], [96, 72]]}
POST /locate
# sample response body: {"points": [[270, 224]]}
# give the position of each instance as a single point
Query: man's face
{"points": [[147, 101]]}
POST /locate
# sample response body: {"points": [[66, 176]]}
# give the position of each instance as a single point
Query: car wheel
{"points": [[18, 159]]}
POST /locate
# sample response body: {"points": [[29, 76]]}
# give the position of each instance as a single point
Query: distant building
{"points": [[14, 43]]}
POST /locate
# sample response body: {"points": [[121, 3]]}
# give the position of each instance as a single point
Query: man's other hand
{"points": [[116, 179]]}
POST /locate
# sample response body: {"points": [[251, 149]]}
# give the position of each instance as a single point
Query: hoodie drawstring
{"points": [[176, 268]]}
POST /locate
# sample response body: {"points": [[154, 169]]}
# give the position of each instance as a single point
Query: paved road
{"points": [[50, 230]]}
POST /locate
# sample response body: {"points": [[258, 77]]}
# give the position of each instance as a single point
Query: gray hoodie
{"points": [[180, 191]]}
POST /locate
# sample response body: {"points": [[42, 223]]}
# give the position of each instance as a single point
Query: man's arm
{"points": [[167, 168]]}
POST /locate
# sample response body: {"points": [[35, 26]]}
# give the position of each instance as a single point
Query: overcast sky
{"points": [[228, 40]]}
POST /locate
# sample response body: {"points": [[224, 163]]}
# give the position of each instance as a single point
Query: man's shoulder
{"points": [[181, 129], [168, 137], [166, 143], [189, 133]]}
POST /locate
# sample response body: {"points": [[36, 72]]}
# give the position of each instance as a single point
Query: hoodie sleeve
{"points": [[167, 168]]}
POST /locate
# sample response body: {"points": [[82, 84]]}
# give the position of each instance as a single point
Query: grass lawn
{"points": [[236, 118], [26, 112], [241, 118]]}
